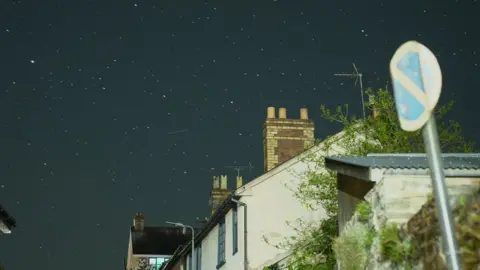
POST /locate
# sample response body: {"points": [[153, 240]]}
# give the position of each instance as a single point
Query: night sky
{"points": [[113, 107]]}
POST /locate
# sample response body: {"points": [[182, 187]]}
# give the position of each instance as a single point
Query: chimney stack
{"points": [[219, 192], [304, 114], [285, 138], [271, 113], [239, 181], [139, 222]]}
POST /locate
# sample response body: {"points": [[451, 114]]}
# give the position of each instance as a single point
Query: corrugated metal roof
{"points": [[410, 161]]}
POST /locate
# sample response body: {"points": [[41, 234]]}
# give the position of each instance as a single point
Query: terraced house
{"points": [[248, 222], [150, 247]]}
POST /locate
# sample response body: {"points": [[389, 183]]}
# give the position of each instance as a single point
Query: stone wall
{"points": [[403, 201], [396, 198], [424, 228]]}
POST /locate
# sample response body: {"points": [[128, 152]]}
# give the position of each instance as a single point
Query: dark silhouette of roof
{"points": [[8, 220], [159, 240]]}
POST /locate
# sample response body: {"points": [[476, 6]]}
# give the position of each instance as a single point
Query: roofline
{"points": [[446, 172], [357, 171], [151, 255], [212, 222], [368, 173], [461, 155], [292, 161]]}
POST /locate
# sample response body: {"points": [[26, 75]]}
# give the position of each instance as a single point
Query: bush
{"points": [[393, 248], [351, 247], [364, 210]]}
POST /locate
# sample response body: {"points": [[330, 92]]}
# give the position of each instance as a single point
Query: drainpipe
{"points": [[245, 260]]}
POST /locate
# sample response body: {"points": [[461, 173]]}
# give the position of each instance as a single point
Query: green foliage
{"points": [[393, 248], [371, 235], [272, 267], [390, 244], [359, 137], [364, 210], [461, 201], [351, 248]]}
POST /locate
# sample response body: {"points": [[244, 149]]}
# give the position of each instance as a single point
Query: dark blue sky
{"points": [[89, 91]]}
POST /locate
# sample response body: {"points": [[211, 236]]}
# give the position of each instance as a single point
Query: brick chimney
{"points": [[139, 222], [374, 112], [219, 192], [285, 138]]}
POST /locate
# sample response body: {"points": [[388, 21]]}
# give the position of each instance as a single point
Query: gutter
{"points": [[245, 238]]}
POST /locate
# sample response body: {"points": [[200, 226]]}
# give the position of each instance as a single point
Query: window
{"points": [[221, 242], [235, 229], [155, 263], [198, 258]]}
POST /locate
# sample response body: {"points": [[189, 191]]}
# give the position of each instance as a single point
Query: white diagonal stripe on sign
{"points": [[410, 86]]}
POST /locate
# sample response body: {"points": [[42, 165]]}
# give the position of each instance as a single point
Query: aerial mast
{"points": [[358, 78]]}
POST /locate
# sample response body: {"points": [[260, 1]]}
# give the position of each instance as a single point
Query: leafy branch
{"points": [[312, 248]]}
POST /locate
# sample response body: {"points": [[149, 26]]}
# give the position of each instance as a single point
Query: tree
{"points": [[312, 248]]}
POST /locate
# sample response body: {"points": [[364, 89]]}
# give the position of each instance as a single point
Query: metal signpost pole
{"points": [[417, 84]]}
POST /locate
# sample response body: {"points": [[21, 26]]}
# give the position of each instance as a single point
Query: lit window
{"points": [[155, 263]]}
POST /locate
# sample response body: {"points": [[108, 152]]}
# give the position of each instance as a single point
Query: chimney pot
{"points": [[282, 113], [239, 181], [304, 113], [271, 113], [223, 183], [216, 182], [139, 222]]}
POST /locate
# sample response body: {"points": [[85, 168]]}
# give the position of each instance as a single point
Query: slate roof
{"points": [[409, 161], [6, 219], [158, 240]]}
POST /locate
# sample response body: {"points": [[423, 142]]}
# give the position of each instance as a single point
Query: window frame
{"points": [[221, 258], [234, 230], [198, 258], [156, 265]]}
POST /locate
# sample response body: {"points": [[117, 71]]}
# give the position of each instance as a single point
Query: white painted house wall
{"points": [[210, 246], [271, 204], [273, 212]]}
